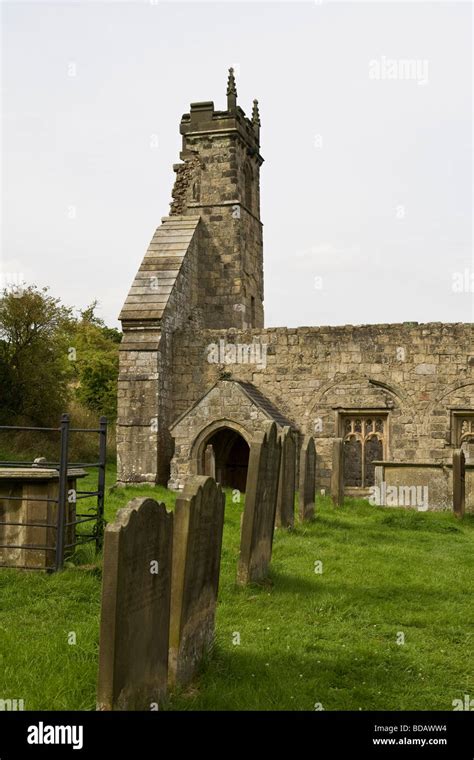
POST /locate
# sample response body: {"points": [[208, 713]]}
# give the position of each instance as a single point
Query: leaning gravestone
{"points": [[198, 526], [459, 482], [135, 615], [337, 477], [285, 510], [307, 479], [258, 521]]}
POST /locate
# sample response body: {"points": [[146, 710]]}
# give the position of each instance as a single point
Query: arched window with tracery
{"points": [[364, 443]]}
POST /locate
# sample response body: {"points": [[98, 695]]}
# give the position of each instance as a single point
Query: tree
{"points": [[33, 357], [95, 366], [49, 356]]}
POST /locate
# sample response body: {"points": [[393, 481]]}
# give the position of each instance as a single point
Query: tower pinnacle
{"points": [[256, 118], [231, 91]]}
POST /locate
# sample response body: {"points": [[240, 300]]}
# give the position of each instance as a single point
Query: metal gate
{"points": [[60, 535]]}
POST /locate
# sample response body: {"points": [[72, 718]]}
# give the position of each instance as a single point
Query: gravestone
{"points": [[210, 461], [135, 614], [337, 476], [197, 542], [285, 510], [258, 522], [459, 482], [307, 479]]}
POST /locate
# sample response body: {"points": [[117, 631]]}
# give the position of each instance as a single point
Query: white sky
{"points": [[381, 211]]}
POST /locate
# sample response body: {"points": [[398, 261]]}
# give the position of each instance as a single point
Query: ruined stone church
{"points": [[199, 369]]}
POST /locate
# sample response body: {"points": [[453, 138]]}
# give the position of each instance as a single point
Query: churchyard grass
{"points": [[325, 631]]}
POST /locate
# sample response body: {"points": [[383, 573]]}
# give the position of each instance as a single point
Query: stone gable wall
{"points": [[145, 387]]}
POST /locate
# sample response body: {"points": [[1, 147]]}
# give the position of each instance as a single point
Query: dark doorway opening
{"points": [[229, 457]]}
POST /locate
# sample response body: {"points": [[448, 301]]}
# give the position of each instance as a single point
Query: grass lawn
{"points": [[307, 639]]}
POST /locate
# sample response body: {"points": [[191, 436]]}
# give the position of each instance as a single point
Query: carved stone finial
{"points": [[256, 119], [255, 114], [231, 91]]}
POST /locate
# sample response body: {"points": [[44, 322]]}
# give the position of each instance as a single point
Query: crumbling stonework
{"points": [[187, 180]]}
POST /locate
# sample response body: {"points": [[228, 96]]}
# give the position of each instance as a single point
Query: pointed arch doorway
{"points": [[224, 454]]}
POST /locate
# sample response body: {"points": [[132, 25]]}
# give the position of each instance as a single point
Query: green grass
{"points": [[305, 637]]}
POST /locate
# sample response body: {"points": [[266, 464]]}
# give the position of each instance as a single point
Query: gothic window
{"points": [[364, 443]]}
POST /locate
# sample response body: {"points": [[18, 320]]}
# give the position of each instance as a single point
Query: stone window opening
{"points": [[248, 186], [252, 311], [364, 438]]}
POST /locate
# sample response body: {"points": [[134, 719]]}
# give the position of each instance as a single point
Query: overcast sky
{"points": [[367, 182]]}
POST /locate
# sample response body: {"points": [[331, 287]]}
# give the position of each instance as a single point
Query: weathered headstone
{"points": [[210, 461], [135, 615], [459, 482], [285, 510], [198, 526], [307, 479], [258, 521], [337, 476]]}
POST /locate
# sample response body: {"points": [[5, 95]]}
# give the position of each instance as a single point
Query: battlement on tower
{"points": [[203, 119]]}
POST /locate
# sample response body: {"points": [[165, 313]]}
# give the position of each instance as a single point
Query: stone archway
{"points": [[231, 456]]}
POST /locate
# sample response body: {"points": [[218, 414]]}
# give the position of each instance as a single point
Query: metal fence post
{"points": [[101, 482], [62, 491]]}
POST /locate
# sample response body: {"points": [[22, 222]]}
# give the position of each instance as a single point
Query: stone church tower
{"points": [[203, 269], [219, 181]]}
